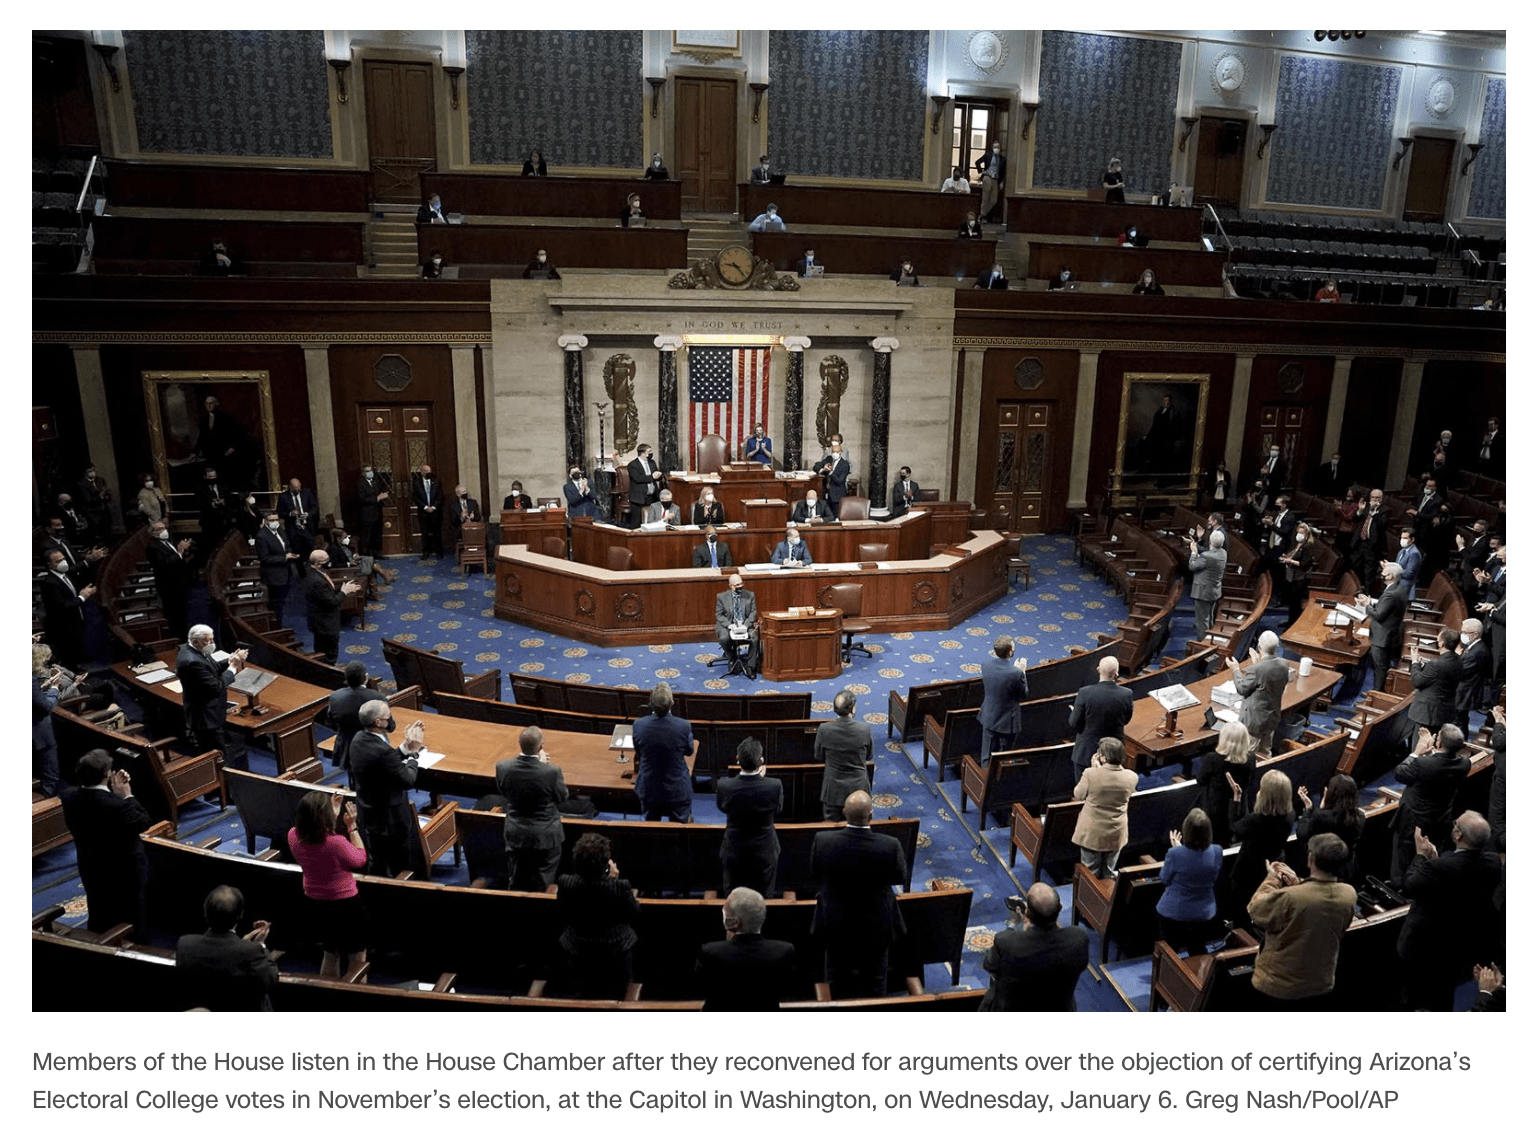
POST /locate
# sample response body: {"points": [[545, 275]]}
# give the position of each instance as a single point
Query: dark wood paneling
{"points": [[505, 250], [1109, 264], [1221, 154], [54, 386], [1427, 185], [401, 123], [848, 205], [1458, 396], [503, 195], [182, 185], [1058, 387], [1273, 385], [1368, 418], [873, 254], [122, 369], [175, 244], [1097, 219], [63, 111], [352, 385]]}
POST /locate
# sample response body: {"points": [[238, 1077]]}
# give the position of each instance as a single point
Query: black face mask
{"points": [[389, 724], [711, 538]]}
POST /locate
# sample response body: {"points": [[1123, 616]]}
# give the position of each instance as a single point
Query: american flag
{"points": [[727, 392]]}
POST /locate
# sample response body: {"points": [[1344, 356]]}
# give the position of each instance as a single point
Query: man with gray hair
{"points": [[1006, 685], [846, 746], [1453, 923], [1432, 775], [1208, 568], [1386, 615], [1474, 671], [665, 510], [204, 680], [384, 775], [324, 600], [746, 971], [1262, 691]]}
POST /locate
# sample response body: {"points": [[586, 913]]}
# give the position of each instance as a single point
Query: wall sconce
{"points": [[340, 66], [452, 74], [1267, 129], [655, 88], [1406, 145], [1187, 132], [759, 89], [1029, 111], [107, 51], [1475, 149], [938, 103]]}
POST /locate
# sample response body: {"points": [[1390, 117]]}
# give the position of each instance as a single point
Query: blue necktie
{"points": [[713, 553]]}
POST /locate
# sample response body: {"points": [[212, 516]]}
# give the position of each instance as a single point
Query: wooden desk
{"points": [[851, 207], [909, 538], [510, 195], [504, 250], [1140, 740], [1076, 218], [176, 244], [737, 486], [530, 527], [799, 648], [876, 254], [1106, 263], [1310, 636], [171, 185], [287, 702], [612, 609], [471, 749]]}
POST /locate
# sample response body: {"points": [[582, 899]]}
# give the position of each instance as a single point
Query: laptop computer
{"points": [[776, 179], [815, 270]]}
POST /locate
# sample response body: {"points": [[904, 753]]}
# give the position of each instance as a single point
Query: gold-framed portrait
{"points": [[219, 420], [1161, 431]]}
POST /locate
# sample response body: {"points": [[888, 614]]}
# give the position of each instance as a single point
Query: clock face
{"points": [[735, 264]]}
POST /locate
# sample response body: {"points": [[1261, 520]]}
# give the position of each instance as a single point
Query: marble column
{"points": [[1235, 428], [1081, 437], [466, 418], [792, 438], [1331, 437], [326, 481], [98, 430], [1405, 423], [670, 444], [879, 450], [575, 399]]}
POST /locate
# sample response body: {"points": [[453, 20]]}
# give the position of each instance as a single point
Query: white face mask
{"points": [[273, 525], [148, 485], [656, 163], [1065, 276], [1406, 544], [368, 474], [1464, 637], [250, 500], [163, 534], [346, 540], [793, 539], [709, 499]]}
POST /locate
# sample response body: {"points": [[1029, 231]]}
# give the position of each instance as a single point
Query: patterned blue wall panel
{"points": [[260, 94], [1336, 131], [848, 104], [1488, 184], [1104, 97], [577, 96]]}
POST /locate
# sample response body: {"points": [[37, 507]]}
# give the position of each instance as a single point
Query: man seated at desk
{"points": [[903, 493], [713, 552], [540, 268], [735, 628], [707, 511], [993, 281], [812, 510], [664, 510], [791, 551], [768, 222]]}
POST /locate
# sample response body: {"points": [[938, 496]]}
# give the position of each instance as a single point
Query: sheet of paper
{"points": [[157, 676], [427, 758], [174, 687]]}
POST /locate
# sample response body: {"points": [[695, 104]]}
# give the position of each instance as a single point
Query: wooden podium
{"points": [[797, 648]]}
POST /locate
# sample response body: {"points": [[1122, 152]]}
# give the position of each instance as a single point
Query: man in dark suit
{"points": [[855, 913], [1331, 478], [426, 494], [300, 513], [995, 280], [845, 746], [578, 499], [219, 969], [384, 775], [812, 511], [1422, 509], [835, 468], [1369, 540], [462, 510], [371, 495], [1102, 709], [904, 493], [341, 714], [1036, 966], [645, 481], [279, 564], [1491, 453], [1278, 537], [971, 230], [430, 212], [105, 819], [746, 971], [1261, 690], [221, 439], [172, 576], [713, 552], [1452, 924], [733, 609], [1410, 560], [761, 174], [807, 263], [662, 743], [1006, 685], [1432, 775], [993, 171], [1272, 470], [1385, 617], [81, 563], [791, 551], [324, 599], [77, 526], [64, 612], [214, 510], [1474, 671], [750, 803], [1473, 553], [1436, 683], [204, 681], [534, 789]]}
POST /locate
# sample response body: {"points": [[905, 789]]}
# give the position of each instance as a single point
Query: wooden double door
{"points": [[397, 440], [705, 143], [1018, 480]]}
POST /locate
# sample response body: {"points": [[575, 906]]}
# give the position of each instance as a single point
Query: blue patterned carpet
{"points": [[432, 606]]}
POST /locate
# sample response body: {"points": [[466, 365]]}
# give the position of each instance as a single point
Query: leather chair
{"points": [[713, 455], [473, 548], [1016, 565], [555, 546], [849, 597], [619, 559], [854, 509], [927, 495], [867, 552]]}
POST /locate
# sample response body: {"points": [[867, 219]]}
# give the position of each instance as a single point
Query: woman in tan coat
{"points": [[1103, 829]]}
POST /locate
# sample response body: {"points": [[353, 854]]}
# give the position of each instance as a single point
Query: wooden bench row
{"points": [[437, 675], [1151, 580], [713, 706]]}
